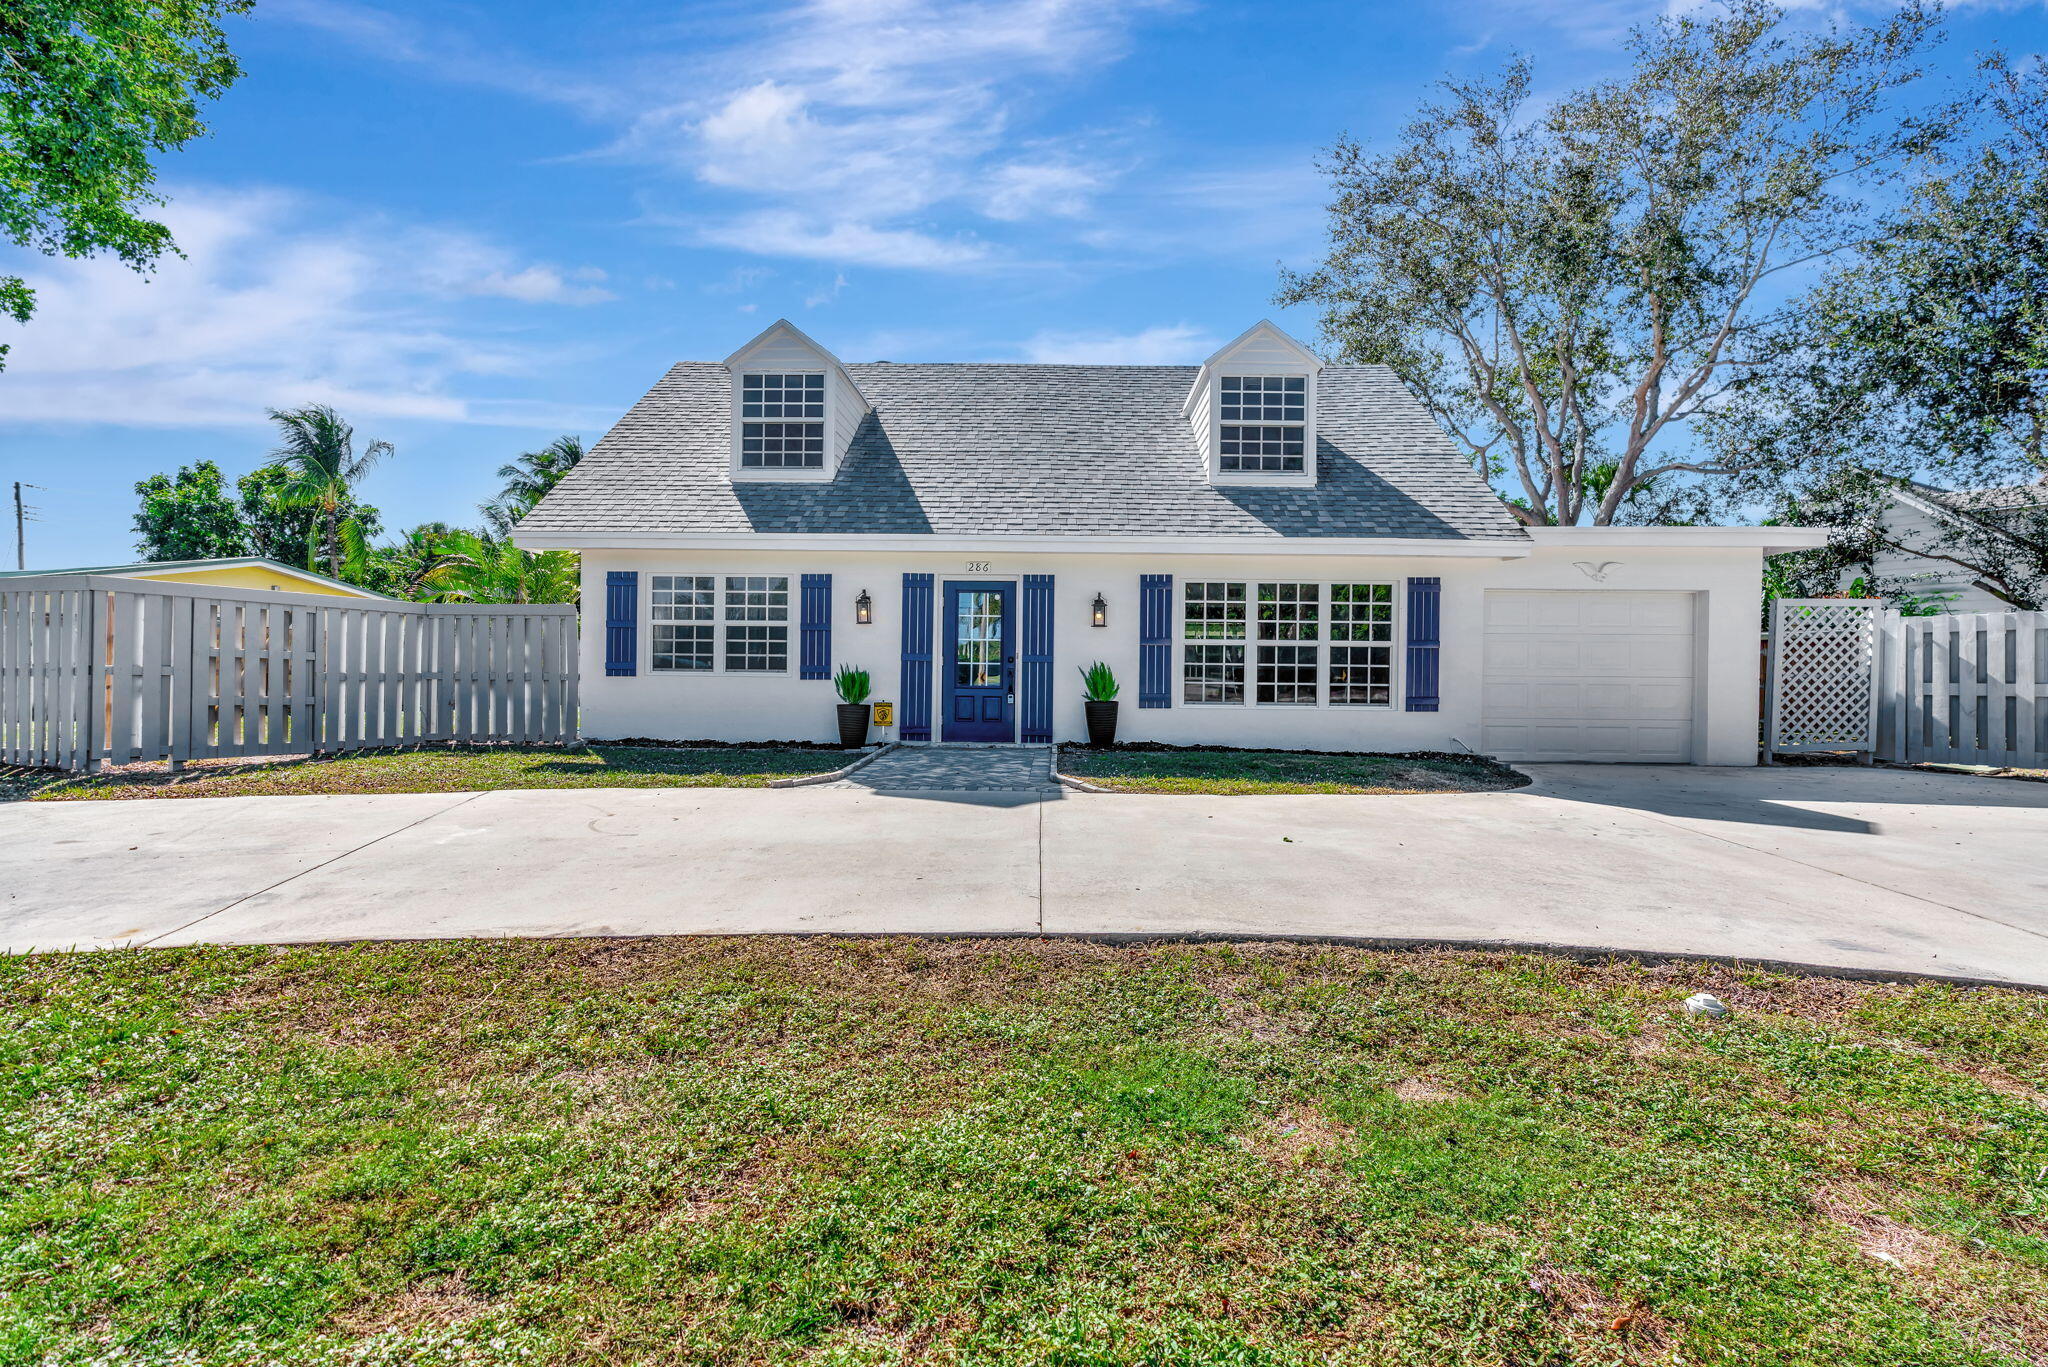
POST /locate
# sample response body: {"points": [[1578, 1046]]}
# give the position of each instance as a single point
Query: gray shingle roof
{"points": [[999, 449]]}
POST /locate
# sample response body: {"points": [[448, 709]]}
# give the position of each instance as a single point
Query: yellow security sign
{"points": [[885, 714]]}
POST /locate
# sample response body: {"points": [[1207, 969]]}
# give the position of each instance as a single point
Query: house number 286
{"points": [[978, 566]]}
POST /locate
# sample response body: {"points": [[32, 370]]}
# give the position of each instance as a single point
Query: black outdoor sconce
{"points": [[1100, 612], [864, 609]]}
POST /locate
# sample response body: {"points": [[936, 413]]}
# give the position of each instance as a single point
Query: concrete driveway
{"points": [[1867, 870]]}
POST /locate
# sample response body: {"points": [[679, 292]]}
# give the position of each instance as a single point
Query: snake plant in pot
{"points": [[854, 687], [1098, 691]]}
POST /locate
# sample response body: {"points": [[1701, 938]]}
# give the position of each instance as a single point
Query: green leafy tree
{"points": [[316, 451], [188, 516], [416, 566], [90, 92], [527, 479], [1925, 355], [1568, 284], [287, 532], [489, 570]]}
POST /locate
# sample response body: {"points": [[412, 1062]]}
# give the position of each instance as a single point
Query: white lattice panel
{"points": [[1823, 674]]}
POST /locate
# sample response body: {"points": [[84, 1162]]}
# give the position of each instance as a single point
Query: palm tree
{"points": [[486, 569], [413, 567], [529, 477], [317, 453]]}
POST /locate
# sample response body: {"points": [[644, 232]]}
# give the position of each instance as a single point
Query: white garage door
{"points": [[1588, 675]]}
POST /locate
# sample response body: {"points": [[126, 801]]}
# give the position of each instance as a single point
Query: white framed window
{"points": [[1263, 424], [782, 420], [683, 612], [1361, 645], [757, 623], [1287, 624], [1213, 637], [1289, 643]]}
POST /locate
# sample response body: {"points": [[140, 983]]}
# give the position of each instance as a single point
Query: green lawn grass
{"points": [[853, 1152], [454, 769], [1246, 773]]}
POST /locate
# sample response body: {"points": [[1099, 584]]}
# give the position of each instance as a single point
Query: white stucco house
{"points": [[1268, 550]]}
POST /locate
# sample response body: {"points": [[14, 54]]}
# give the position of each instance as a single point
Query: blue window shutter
{"points": [[1037, 653], [815, 654], [1155, 634], [621, 622], [917, 658], [1424, 624]]}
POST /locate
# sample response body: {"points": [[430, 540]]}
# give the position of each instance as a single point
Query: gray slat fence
{"points": [[97, 670], [1965, 688]]}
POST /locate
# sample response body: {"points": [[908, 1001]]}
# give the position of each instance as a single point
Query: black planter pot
{"points": [[853, 725], [1101, 724]]}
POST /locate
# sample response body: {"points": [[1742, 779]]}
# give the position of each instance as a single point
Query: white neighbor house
{"points": [[1268, 550]]}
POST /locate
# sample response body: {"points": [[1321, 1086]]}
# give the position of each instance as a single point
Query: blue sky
{"points": [[474, 227]]}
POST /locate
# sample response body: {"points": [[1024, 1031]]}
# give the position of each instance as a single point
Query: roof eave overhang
{"points": [[1427, 547], [1769, 540]]}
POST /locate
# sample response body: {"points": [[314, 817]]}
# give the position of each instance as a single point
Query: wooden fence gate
{"points": [[1965, 688], [97, 670]]}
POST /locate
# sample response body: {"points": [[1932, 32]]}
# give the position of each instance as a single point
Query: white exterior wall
{"points": [[739, 707]]}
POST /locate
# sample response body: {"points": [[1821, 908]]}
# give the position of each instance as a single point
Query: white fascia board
{"points": [[1770, 540], [1072, 545], [738, 358]]}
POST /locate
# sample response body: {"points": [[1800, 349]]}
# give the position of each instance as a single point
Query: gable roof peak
{"points": [[1265, 329]]}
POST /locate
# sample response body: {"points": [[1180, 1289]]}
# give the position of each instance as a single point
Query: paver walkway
{"points": [[956, 769]]}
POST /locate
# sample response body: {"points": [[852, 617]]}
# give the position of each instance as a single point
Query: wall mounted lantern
{"points": [[864, 609], [1100, 612]]}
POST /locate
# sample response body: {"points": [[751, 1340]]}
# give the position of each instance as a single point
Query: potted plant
{"points": [[1098, 688], [854, 687]]}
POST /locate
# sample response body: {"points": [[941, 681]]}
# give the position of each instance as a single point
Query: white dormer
{"points": [[794, 408], [1253, 408]]}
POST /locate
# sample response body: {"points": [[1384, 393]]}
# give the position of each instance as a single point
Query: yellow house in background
{"points": [[239, 572]]}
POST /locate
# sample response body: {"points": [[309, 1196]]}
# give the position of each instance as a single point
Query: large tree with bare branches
{"points": [[1567, 284]]}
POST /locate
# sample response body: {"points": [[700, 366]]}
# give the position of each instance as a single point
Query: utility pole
{"points": [[22, 513]]}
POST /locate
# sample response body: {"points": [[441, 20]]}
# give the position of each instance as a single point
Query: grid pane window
{"points": [[682, 609], [1211, 612], [1264, 398], [1288, 615], [782, 396], [1212, 673], [757, 623], [1261, 448], [1362, 645], [782, 445]]}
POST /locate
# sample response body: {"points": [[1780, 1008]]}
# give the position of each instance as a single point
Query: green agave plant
{"points": [[853, 684], [1098, 683]]}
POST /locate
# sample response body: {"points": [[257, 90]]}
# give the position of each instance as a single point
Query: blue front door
{"points": [[981, 670]]}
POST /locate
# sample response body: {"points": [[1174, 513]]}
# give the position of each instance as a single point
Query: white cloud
{"points": [[270, 308], [845, 125], [788, 233], [1175, 344]]}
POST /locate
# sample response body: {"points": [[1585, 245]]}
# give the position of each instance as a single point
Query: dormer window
{"points": [[1253, 410], [1264, 420], [782, 445]]}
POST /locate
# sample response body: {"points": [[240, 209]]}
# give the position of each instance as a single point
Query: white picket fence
{"points": [[1957, 687], [1964, 688], [98, 670]]}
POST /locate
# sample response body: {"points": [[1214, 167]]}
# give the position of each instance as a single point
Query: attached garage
{"points": [[1588, 675]]}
